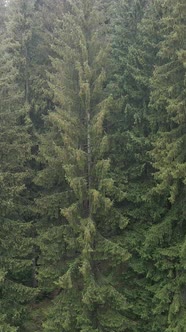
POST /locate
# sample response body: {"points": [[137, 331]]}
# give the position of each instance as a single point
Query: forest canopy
{"points": [[92, 165]]}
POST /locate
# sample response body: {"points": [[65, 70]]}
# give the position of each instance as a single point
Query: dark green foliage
{"points": [[92, 166], [168, 98], [85, 248], [134, 52], [15, 153], [168, 104]]}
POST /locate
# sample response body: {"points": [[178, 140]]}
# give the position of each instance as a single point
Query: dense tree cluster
{"points": [[92, 165]]}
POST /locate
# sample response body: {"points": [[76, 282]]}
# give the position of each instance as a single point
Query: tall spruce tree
{"points": [[165, 240], [44, 15], [135, 45], [82, 254], [15, 153]]}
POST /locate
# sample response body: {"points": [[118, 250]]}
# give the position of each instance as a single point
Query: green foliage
{"points": [[134, 56], [15, 154], [92, 166], [168, 96], [82, 230]]}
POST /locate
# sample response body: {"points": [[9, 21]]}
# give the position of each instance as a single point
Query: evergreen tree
{"points": [[80, 234], [41, 98], [165, 239], [15, 154], [135, 45]]}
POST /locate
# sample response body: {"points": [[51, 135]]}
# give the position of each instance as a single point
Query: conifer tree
{"points": [[45, 13], [135, 44], [81, 248], [15, 153], [165, 239]]}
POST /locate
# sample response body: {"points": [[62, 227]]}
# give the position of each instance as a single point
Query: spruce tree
{"points": [[135, 45], [15, 154], [82, 254], [165, 239]]}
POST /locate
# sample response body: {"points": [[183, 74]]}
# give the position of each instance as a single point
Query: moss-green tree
{"points": [[135, 45], [165, 241], [82, 240], [15, 155]]}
